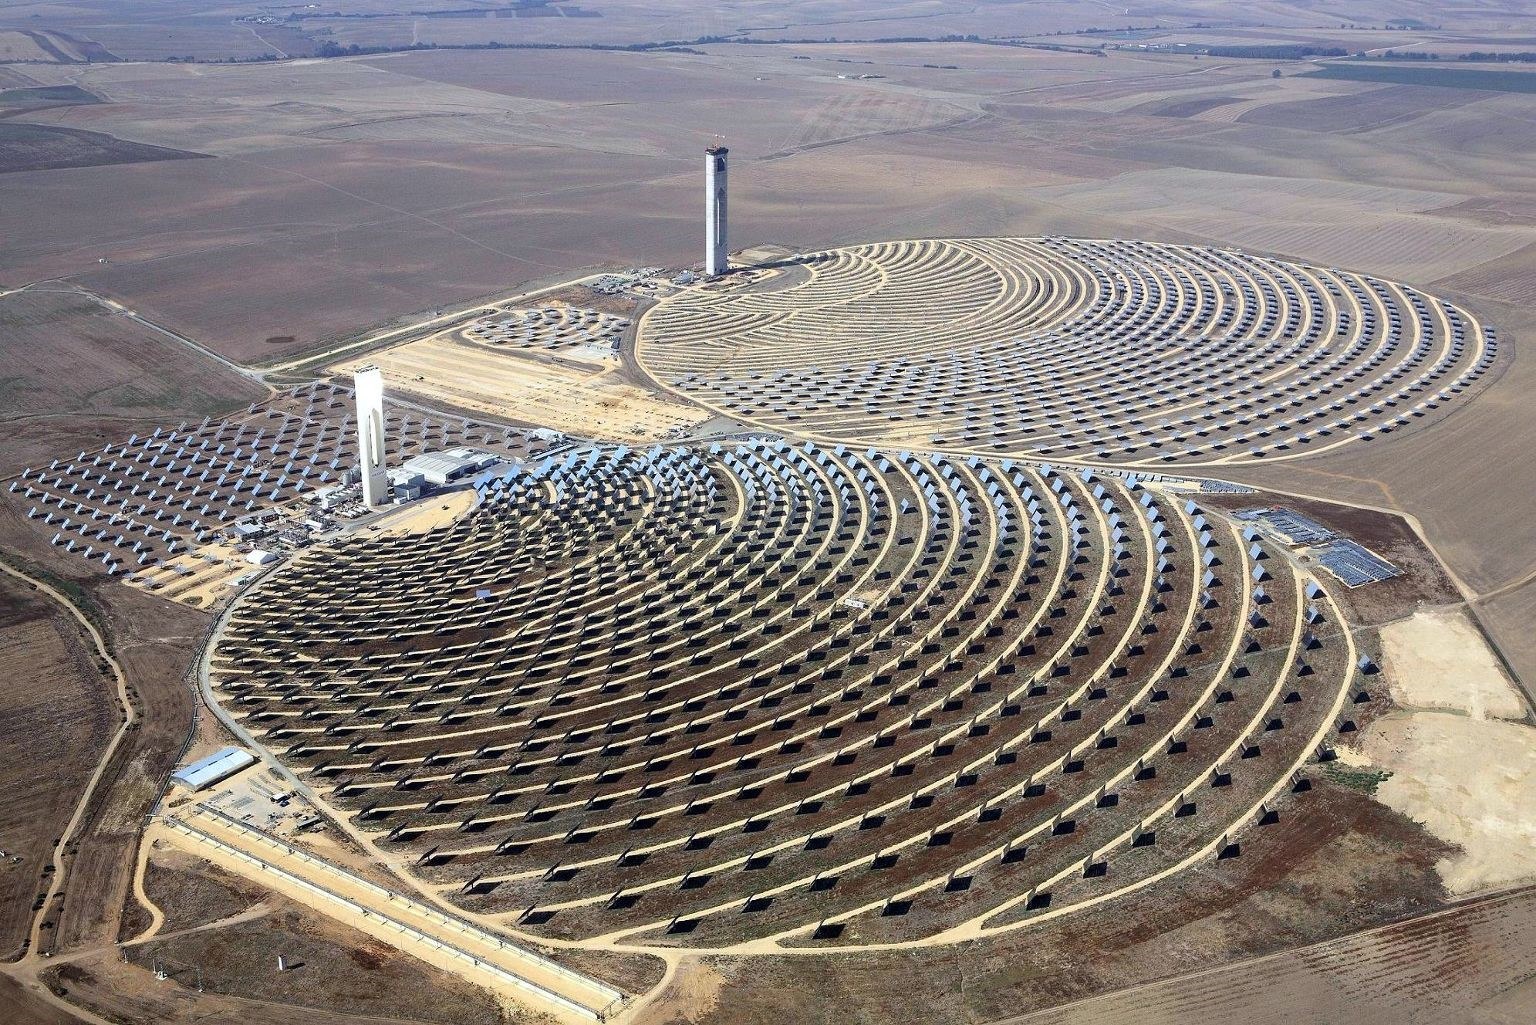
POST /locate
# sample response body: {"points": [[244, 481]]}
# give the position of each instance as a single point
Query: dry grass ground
{"points": [[1466, 483], [1468, 964], [346, 193], [18, 1004], [232, 932], [26, 147], [192, 893], [546, 133], [176, 28], [1421, 580], [1510, 616], [19, 46], [334, 968], [78, 373], [349, 192]]}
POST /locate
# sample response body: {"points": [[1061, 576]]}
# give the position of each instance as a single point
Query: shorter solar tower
{"points": [[368, 381]]}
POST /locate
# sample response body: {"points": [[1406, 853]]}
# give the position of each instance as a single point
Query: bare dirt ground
{"points": [[210, 572], [334, 969], [198, 579], [192, 893], [79, 373], [54, 724], [19, 1005], [132, 995], [1422, 581], [1468, 964], [588, 402], [357, 191], [1472, 783], [226, 933], [348, 193], [692, 996], [44, 148], [353, 192], [1437, 660], [586, 297], [1343, 863], [426, 516], [154, 642], [1462, 482], [1453, 765], [1510, 615], [179, 28]]}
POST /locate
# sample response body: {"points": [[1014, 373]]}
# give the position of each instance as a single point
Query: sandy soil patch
{"points": [[1470, 782], [693, 993], [429, 514], [1437, 659], [575, 401], [197, 578]]}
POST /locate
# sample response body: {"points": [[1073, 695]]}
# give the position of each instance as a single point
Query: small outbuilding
{"points": [[247, 530]]}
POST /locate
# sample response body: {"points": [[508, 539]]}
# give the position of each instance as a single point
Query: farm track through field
{"points": [[130, 717], [25, 972], [1390, 969]]}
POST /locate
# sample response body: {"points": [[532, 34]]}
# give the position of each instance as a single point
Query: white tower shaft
{"points": [[369, 384], [716, 259]]}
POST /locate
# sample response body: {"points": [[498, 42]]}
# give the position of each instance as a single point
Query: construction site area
{"points": [[556, 367]]}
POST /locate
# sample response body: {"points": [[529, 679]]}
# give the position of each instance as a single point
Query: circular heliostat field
{"points": [[1117, 352], [764, 694]]}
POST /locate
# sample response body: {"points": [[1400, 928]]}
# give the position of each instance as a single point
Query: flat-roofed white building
{"points": [[440, 468]]}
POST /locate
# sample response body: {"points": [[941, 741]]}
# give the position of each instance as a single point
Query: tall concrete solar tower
{"points": [[715, 249], [368, 382]]}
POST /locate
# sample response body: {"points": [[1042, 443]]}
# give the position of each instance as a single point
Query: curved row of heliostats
{"points": [[553, 328], [1117, 352], [816, 695]]}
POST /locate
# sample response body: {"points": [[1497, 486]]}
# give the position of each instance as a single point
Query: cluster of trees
{"points": [[1520, 57], [1278, 51], [331, 48], [1523, 57]]}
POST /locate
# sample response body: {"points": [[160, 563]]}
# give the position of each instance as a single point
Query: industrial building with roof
{"points": [[441, 468], [219, 766]]}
